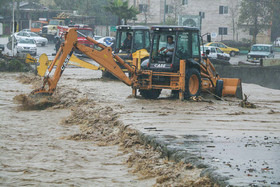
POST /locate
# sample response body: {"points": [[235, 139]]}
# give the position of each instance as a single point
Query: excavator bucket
{"points": [[232, 87], [45, 62]]}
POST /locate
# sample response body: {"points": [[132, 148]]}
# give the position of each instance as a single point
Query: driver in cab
{"points": [[126, 45], [168, 50]]}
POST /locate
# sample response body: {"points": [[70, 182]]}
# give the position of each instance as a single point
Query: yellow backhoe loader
{"points": [[183, 70]]}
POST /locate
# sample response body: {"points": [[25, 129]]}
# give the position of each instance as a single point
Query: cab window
{"points": [[138, 40], [195, 45], [147, 40], [183, 50]]}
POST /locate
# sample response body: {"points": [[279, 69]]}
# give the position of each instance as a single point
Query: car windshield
{"points": [[88, 33], [33, 34], [53, 22], [219, 50], [26, 41], [204, 48], [260, 48]]}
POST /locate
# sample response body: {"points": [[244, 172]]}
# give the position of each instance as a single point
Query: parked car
{"points": [[2, 47], [229, 50], [107, 41], [277, 42], [25, 30], [214, 53], [259, 51], [39, 40], [26, 45], [97, 37]]}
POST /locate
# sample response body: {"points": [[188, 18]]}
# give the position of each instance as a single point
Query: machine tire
{"points": [[219, 89], [150, 94], [232, 53], [192, 83]]}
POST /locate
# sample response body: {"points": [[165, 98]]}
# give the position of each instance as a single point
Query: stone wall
{"points": [[264, 76]]}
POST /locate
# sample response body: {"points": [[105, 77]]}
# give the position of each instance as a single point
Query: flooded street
{"points": [[220, 139], [34, 152]]}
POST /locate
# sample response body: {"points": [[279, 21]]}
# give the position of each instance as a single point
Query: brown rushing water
{"points": [[33, 152]]}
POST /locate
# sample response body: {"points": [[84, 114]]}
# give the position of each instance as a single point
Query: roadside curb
{"points": [[178, 154]]}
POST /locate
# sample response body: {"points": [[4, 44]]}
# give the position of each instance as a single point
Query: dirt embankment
{"points": [[99, 122]]}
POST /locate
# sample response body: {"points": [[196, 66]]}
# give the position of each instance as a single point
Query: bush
{"points": [[14, 65], [237, 44]]}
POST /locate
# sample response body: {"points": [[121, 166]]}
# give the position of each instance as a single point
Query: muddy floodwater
{"points": [[34, 152], [240, 144]]}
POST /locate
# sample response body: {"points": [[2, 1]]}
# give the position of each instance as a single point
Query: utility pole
{"points": [[164, 10], [134, 4], [13, 35]]}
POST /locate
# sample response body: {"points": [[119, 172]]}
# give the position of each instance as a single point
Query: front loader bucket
{"points": [[232, 87], [44, 63]]}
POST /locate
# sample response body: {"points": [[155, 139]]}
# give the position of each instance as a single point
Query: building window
{"points": [[222, 30], [223, 10], [143, 8], [168, 9], [184, 2], [202, 14]]}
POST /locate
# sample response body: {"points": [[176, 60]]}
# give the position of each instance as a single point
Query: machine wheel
{"points": [[150, 94], [193, 83], [232, 53], [219, 89]]}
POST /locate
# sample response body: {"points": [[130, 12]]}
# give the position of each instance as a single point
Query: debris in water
{"points": [[100, 124], [246, 104], [35, 102]]}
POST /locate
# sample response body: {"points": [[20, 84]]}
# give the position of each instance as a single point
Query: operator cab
{"points": [[130, 39], [185, 42]]}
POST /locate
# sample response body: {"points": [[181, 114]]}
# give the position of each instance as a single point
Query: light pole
{"points": [[13, 29], [164, 10]]}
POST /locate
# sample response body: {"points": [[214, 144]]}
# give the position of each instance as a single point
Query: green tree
{"points": [[121, 10], [256, 14], [275, 29]]}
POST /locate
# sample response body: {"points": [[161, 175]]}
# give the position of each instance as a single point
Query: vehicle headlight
{"points": [[249, 56]]}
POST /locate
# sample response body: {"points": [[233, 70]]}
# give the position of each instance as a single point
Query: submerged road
{"points": [[236, 146]]}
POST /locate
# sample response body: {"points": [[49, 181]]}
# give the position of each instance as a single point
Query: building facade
{"points": [[218, 17]]}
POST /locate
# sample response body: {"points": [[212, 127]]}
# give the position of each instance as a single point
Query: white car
{"points": [[39, 40], [26, 45], [25, 30], [107, 41], [214, 52], [277, 42]]}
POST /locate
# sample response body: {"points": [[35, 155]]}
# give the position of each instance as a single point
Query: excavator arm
{"points": [[104, 57]]}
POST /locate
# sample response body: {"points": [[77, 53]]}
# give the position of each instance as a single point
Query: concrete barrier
{"points": [[270, 62], [265, 76]]}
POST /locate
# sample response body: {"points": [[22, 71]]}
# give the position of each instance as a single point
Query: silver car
{"points": [[26, 45], [259, 51]]}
